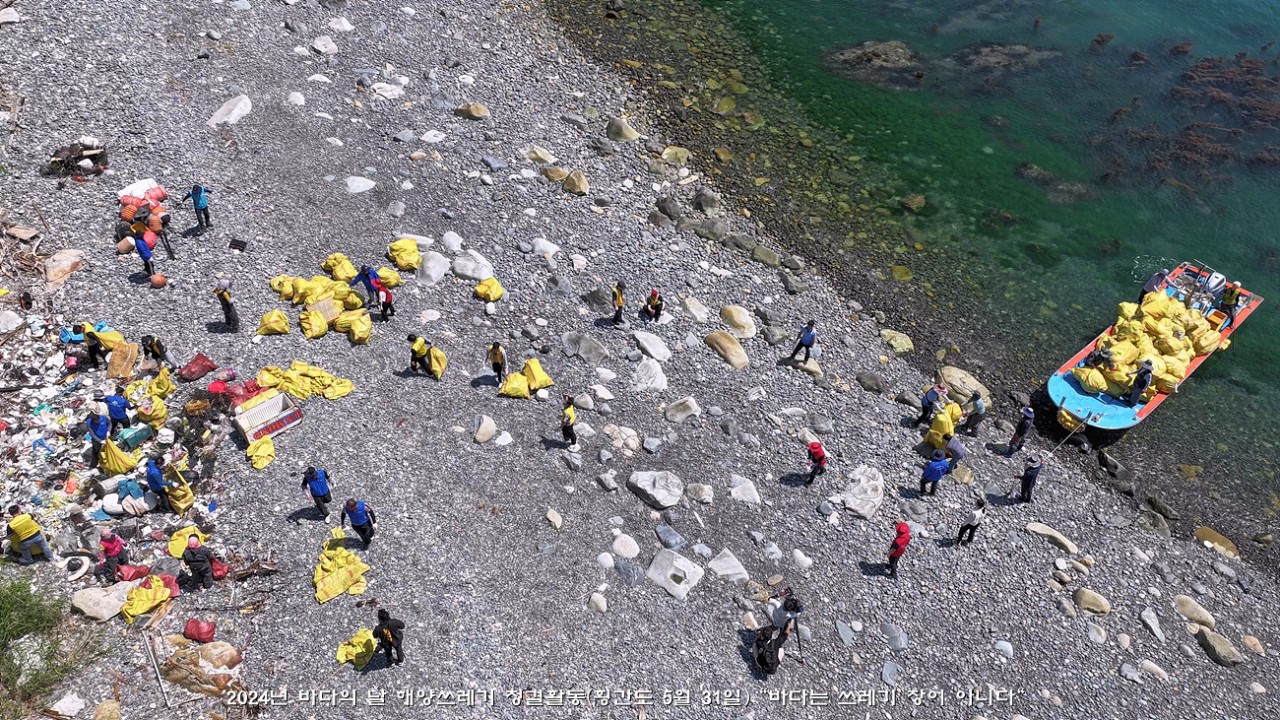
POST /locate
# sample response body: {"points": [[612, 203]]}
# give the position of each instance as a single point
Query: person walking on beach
{"points": [[363, 520], [154, 349], [932, 397], [419, 350], [1141, 381], [970, 526], [199, 562], [366, 276], [29, 534], [1021, 430], [956, 451], [118, 407], [144, 252], [817, 461], [618, 302], [222, 291], [390, 635], [1029, 476], [805, 341], [569, 418], [199, 196], [112, 551], [385, 299], [99, 430], [1153, 284], [316, 483], [933, 472], [498, 360], [654, 305], [898, 547], [977, 412]]}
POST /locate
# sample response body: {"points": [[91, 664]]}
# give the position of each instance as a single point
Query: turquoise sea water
{"points": [[1051, 276]]}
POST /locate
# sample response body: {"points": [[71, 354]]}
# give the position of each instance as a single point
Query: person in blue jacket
{"points": [[366, 276], [933, 472], [99, 430], [363, 520], [118, 409], [805, 341], [144, 252], [199, 195], [316, 483], [156, 482]]}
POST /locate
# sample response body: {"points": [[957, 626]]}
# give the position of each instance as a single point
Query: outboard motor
{"points": [[1216, 283]]}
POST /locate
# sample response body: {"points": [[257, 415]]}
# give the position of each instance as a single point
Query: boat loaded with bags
{"points": [[1171, 333]]}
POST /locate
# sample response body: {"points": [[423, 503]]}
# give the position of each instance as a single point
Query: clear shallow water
{"points": [[1052, 277]]}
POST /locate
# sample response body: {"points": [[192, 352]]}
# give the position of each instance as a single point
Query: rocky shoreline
{"points": [[517, 565]]}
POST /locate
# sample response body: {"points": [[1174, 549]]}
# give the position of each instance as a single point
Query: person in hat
{"points": [[384, 299], [419, 351], [199, 196], [222, 291], [1098, 357], [618, 302], [933, 472], [1230, 300], [112, 552], [498, 360], [365, 277], [390, 635], [199, 561], [1029, 476], [569, 418], [970, 526], [932, 397], [154, 349], [1021, 430], [898, 548], [99, 426], [363, 520], [29, 534], [805, 340], [817, 461], [118, 407], [1153, 284], [654, 305], [1141, 381]]}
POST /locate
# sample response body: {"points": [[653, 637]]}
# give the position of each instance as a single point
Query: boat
{"points": [[1198, 288]]}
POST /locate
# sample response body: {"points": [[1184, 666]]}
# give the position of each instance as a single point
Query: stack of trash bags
{"points": [[329, 301], [302, 381], [529, 380], [405, 254], [338, 570], [1161, 331]]}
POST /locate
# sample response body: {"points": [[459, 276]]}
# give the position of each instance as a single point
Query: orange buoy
{"points": [[150, 239], [158, 281], [157, 194], [128, 212]]}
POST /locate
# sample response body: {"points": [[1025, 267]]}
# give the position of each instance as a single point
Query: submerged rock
{"points": [[880, 62]]}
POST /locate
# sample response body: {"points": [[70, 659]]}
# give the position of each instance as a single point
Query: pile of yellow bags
{"points": [[404, 253], [1161, 331], [529, 380], [339, 267], [302, 381], [338, 570], [944, 423], [301, 291]]}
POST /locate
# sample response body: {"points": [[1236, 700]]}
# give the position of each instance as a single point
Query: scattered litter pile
{"points": [[79, 160]]}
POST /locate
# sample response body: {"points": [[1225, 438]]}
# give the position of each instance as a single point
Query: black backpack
{"points": [[767, 646]]}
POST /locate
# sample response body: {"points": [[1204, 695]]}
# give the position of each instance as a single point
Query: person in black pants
{"points": [[569, 418], [363, 520], [1020, 432], [316, 483], [200, 562], [95, 348], [1029, 476], [971, 525], [390, 635], [498, 360]]}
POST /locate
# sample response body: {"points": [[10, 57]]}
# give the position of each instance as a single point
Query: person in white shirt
{"points": [[971, 525]]}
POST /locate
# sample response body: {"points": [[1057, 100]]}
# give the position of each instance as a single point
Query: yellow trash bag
{"points": [[1165, 382], [162, 385], [277, 283], [1206, 341], [144, 598], [300, 289], [339, 267], [344, 321], [180, 496], [153, 412], [537, 378], [261, 452], [1126, 311], [390, 277], [404, 253], [437, 361], [110, 340], [1157, 327], [313, 324], [178, 540], [353, 301], [1175, 366], [489, 290], [516, 386], [944, 423], [1124, 353], [274, 323], [317, 292], [1157, 362], [338, 570], [1090, 379], [1128, 330], [115, 461], [361, 329], [358, 649], [340, 387]]}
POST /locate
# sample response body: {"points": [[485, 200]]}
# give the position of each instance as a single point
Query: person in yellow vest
{"points": [[569, 418], [222, 291], [419, 350], [1230, 301], [498, 360], [618, 302], [27, 533]]}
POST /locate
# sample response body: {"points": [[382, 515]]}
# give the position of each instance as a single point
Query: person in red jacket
{"points": [[817, 461], [113, 552], [898, 547], [385, 299]]}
